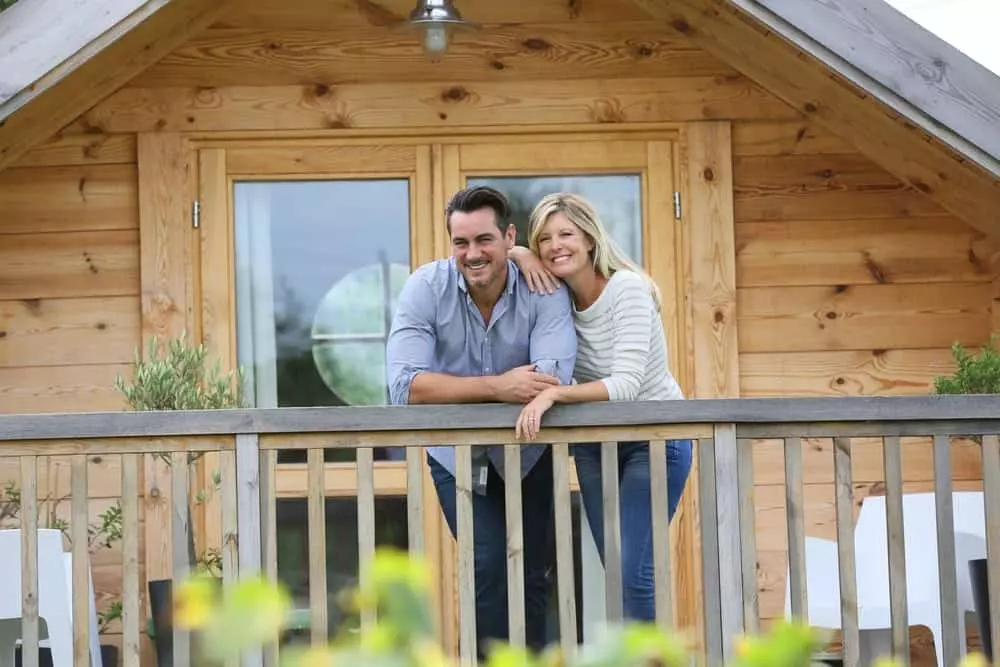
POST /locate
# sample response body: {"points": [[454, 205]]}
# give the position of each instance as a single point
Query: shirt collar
{"points": [[512, 277]]}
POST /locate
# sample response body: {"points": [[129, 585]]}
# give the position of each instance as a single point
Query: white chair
{"points": [[871, 563], [55, 599]]}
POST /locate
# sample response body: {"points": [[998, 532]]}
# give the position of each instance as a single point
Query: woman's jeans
{"points": [[636, 514]]}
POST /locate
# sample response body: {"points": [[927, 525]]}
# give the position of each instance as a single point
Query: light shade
{"points": [[438, 18]]}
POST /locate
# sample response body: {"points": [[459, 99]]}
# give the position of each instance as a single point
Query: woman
{"points": [[622, 356]]}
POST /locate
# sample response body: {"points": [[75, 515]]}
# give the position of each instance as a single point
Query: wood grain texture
{"points": [[713, 269], [60, 96], [867, 456], [791, 137], [81, 149], [42, 389], [435, 105], [49, 332], [347, 160], [889, 372], [62, 199], [379, 54], [69, 264], [826, 187], [862, 317], [164, 220], [913, 63], [104, 473], [853, 252], [334, 14], [928, 166]]}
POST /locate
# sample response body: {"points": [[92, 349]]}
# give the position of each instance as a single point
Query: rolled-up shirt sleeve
{"points": [[553, 336], [411, 340]]}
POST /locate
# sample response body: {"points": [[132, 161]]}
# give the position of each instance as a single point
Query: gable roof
{"points": [[903, 97], [60, 57]]}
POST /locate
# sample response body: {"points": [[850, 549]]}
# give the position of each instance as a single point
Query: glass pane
{"points": [[341, 551], [319, 265], [617, 197]]}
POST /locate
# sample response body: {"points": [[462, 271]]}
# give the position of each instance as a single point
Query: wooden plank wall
{"points": [[848, 284], [70, 308]]}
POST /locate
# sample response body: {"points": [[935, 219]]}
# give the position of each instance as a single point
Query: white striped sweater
{"points": [[621, 342]]}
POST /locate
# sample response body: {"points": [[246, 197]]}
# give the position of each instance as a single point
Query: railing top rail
{"points": [[980, 408]]}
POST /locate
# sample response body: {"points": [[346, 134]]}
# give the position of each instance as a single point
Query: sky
{"points": [[969, 25]]}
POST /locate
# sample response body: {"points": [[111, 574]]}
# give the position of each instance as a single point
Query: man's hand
{"points": [[521, 384]]}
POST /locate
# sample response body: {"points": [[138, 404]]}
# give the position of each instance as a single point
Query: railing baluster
{"points": [[79, 511], [269, 534], [317, 547], [130, 561], [659, 505], [230, 521], [366, 523], [612, 533], [565, 583], [845, 550], [728, 505], [515, 543], [748, 536], [248, 516], [415, 463], [466, 556], [795, 512], [179, 535], [29, 561], [947, 574], [991, 489], [711, 585], [892, 458]]}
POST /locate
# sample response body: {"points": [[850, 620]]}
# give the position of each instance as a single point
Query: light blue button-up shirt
{"points": [[437, 328]]}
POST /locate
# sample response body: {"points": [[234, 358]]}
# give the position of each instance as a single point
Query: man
{"points": [[468, 330]]}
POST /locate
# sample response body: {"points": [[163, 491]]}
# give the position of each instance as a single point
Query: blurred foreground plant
{"points": [[254, 612]]}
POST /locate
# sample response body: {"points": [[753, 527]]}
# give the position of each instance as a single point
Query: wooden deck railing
{"points": [[724, 430]]}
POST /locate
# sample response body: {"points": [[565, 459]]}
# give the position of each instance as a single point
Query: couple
{"points": [[492, 325]]}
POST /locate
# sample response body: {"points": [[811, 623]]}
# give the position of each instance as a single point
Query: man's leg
{"points": [[536, 522], [490, 544]]}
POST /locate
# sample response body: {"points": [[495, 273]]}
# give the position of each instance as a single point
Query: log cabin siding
{"points": [[848, 282]]}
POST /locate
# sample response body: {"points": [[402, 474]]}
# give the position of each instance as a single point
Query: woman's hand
{"points": [[538, 277], [530, 420]]}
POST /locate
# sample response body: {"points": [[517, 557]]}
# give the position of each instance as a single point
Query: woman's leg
{"points": [[636, 515]]}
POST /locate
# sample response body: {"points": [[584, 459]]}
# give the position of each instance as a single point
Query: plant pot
{"points": [[161, 605], [981, 600]]}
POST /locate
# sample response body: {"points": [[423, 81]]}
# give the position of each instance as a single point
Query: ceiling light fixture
{"points": [[438, 19]]}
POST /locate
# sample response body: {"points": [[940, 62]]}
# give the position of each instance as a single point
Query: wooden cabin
{"points": [[814, 185]]}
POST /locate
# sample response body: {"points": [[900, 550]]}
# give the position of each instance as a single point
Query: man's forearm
{"points": [[441, 388]]}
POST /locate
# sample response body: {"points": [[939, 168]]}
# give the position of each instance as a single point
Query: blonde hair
{"points": [[607, 256]]}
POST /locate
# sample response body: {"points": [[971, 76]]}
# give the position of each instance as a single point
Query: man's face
{"points": [[480, 248]]}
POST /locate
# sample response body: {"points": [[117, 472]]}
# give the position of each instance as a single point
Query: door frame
{"points": [[436, 173]]}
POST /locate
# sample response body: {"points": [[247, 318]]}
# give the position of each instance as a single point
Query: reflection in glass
{"points": [[318, 268], [617, 198]]}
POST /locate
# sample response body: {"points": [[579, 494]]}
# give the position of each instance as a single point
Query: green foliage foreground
{"points": [[254, 612]]}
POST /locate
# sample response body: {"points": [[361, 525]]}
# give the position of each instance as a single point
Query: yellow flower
{"points": [[428, 654], [195, 599], [743, 646], [975, 660]]}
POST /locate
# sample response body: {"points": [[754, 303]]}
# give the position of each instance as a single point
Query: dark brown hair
{"points": [[477, 197]]}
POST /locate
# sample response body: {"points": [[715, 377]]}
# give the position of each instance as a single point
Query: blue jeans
{"points": [[636, 514], [490, 543]]}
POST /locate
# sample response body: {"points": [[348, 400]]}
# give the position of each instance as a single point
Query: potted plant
{"points": [[976, 374], [176, 376], [102, 534]]}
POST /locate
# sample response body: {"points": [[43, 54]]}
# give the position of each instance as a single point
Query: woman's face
{"points": [[563, 247]]}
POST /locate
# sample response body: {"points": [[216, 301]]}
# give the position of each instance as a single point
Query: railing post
{"points": [[728, 513], [248, 517]]}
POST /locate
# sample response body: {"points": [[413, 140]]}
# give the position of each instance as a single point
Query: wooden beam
{"points": [[916, 73], [69, 88], [897, 145]]}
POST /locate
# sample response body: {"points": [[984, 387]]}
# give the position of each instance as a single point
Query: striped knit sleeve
{"points": [[631, 329]]}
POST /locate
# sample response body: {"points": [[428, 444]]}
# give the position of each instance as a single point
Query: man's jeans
{"points": [[636, 513], [490, 539]]}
